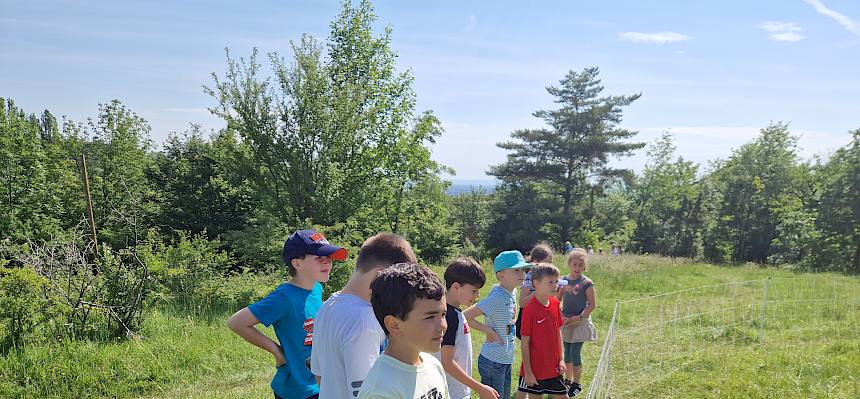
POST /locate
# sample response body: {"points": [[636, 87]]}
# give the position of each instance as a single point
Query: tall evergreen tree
{"points": [[570, 157]]}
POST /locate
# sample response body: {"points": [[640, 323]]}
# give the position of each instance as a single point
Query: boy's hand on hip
{"points": [[280, 360], [487, 392]]}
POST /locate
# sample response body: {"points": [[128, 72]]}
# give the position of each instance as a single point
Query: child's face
{"points": [[546, 286], [577, 266], [511, 278], [313, 266], [465, 294], [424, 326]]}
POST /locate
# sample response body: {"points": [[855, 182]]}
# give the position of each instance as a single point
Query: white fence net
{"points": [[651, 338]]}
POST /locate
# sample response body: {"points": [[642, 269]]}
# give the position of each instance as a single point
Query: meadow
{"points": [[807, 346]]}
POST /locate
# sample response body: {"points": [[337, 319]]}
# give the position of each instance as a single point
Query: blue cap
{"points": [[510, 260], [305, 242]]}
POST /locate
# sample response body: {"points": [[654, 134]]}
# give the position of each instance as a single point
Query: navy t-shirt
{"points": [[291, 311]]}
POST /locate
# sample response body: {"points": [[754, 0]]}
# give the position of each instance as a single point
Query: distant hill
{"points": [[464, 186]]}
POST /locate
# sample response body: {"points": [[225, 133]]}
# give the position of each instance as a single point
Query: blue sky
{"points": [[713, 72]]}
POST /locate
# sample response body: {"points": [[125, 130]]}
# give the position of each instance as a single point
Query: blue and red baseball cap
{"points": [[311, 242]]}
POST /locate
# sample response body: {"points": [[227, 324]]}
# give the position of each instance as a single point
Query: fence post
{"points": [[763, 311]]}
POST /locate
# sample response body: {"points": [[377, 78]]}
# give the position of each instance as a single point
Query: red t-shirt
{"points": [[542, 323]]}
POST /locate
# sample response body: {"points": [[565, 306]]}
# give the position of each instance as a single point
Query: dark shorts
{"points": [[550, 386]]}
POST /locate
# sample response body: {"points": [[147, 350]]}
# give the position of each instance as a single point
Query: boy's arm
{"points": [[561, 366], [244, 323], [527, 362], [474, 311], [454, 370]]}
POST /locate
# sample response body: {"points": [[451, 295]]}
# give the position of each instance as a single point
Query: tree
{"points": [[568, 160], [757, 179], [668, 204], [838, 216], [337, 132]]}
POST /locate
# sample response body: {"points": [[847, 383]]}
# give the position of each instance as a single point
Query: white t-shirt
{"points": [[347, 340], [458, 336], [392, 379]]}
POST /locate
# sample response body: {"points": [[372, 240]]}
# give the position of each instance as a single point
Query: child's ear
{"points": [[296, 262], [392, 324], [456, 286]]}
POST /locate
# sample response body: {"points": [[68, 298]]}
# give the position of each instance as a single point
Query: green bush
{"points": [[22, 304]]}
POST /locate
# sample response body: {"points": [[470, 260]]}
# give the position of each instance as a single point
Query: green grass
{"points": [[810, 349]]}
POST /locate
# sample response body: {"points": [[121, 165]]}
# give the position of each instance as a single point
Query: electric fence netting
{"points": [[652, 342]]}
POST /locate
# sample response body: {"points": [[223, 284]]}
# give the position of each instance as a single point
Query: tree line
{"points": [[330, 138]]}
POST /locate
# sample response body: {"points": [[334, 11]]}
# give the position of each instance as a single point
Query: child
{"points": [[578, 301], [541, 253], [568, 247], [348, 338], [409, 303], [542, 368], [291, 309], [463, 280], [497, 353]]}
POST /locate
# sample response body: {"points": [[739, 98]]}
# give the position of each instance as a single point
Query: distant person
{"points": [[498, 308], [348, 338], [409, 305], [540, 253], [615, 250], [599, 251], [578, 302], [589, 250], [620, 250], [567, 247], [291, 309], [543, 367], [464, 278]]}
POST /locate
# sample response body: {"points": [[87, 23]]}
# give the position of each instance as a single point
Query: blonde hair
{"points": [[580, 255]]}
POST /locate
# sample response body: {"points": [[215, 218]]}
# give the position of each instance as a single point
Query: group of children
{"points": [[395, 331]]}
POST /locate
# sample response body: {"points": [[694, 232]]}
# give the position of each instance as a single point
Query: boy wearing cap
{"points": [[498, 308], [291, 309]]}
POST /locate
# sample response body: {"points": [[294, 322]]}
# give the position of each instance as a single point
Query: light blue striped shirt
{"points": [[499, 309]]}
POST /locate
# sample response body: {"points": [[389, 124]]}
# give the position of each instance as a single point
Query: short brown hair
{"points": [[397, 288], [465, 271], [544, 270], [384, 249], [541, 253]]}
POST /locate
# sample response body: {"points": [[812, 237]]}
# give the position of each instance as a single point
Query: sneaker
{"points": [[574, 390]]}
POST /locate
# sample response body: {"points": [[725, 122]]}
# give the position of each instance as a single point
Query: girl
{"points": [[578, 300]]}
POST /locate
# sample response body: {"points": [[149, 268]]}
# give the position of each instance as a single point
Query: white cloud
{"points": [[782, 31], [659, 38], [841, 19]]}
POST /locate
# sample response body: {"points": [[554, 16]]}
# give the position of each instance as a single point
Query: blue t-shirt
{"points": [[291, 311]]}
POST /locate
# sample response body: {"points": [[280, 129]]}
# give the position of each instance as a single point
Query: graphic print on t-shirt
{"points": [[309, 331], [432, 394]]}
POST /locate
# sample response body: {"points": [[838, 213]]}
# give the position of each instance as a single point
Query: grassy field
{"points": [[811, 348]]}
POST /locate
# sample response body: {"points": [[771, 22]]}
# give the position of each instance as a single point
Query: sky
{"points": [[712, 73]]}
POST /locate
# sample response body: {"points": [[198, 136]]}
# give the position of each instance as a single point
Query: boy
{"points": [[543, 367], [291, 309], [463, 281], [348, 338], [409, 303], [498, 308]]}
